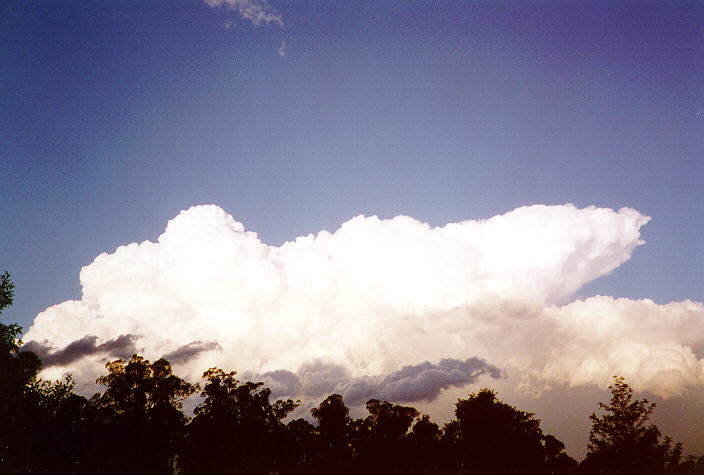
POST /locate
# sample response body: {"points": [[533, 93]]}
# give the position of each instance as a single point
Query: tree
{"points": [[18, 369], [141, 412], [556, 459], [691, 466], [492, 437], [380, 439], [138, 387], [236, 429], [61, 438], [334, 427], [622, 442], [300, 449], [7, 291], [39, 423], [425, 454], [18, 376], [18, 398]]}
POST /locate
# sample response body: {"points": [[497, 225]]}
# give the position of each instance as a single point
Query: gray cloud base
{"points": [[420, 382], [191, 350], [121, 347]]}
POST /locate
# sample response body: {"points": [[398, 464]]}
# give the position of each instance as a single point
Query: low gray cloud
{"points": [[281, 382], [191, 350], [319, 378], [425, 381], [421, 382], [121, 347]]}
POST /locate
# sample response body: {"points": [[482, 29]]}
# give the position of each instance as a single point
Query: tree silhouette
{"points": [[62, 436], [141, 410], [492, 437], [300, 451], [39, 428], [556, 459], [379, 439], [424, 450], [236, 429], [622, 442], [7, 291], [691, 466], [19, 413], [334, 428]]}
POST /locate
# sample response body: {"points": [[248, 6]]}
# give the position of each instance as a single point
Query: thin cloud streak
{"points": [[256, 11]]}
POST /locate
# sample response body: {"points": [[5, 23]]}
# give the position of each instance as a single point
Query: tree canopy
{"points": [[622, 442], [140, 410], [236, 428], [492, 437], [7, 290]]}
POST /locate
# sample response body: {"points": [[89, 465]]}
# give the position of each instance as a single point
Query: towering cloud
{"points": [[392, 306]]}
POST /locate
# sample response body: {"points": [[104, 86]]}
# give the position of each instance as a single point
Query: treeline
{"points": [[137, 425]]}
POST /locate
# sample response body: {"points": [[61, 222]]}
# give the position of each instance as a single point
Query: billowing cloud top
{"points": [[377, 296]]}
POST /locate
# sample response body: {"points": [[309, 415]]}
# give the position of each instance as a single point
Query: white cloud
{"points": [[584, 342], [378, 295], [256, 11], [282, 49]]}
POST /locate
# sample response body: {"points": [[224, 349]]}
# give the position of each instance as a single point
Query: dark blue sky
{"points": [[115, 115]]}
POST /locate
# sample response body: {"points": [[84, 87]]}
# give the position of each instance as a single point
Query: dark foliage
{"points": [[380, 439], [7, 291], [492, 437], [334, 433], [622, 442], [140, 411], [236, 429], [41, 425]]}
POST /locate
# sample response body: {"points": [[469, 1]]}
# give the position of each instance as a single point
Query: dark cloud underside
{"points": [[421, 382], [121, 347]]}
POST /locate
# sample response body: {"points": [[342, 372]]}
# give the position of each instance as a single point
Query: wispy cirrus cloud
{"points": [[257, 11]]}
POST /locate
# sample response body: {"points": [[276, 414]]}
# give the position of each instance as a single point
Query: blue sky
{"points": [[116, 115]]}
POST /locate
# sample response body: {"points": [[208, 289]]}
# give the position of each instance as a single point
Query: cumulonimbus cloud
{"points": [[256, 11], [378, 295]]}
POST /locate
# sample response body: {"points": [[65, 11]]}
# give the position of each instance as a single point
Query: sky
{"points": [[414, 200]]}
